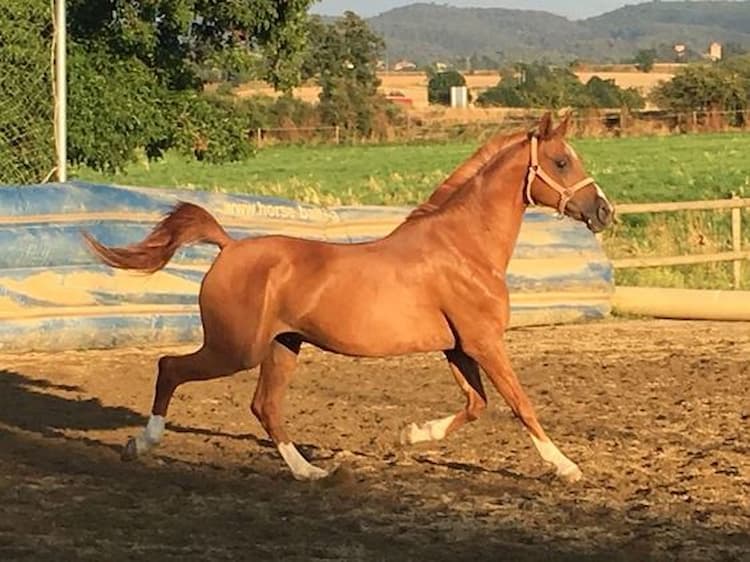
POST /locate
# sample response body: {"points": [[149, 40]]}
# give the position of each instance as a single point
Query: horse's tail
{"points": [[185, 224]]}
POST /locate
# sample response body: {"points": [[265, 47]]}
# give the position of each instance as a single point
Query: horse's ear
{"points": [[562, 128], [545, 126]]}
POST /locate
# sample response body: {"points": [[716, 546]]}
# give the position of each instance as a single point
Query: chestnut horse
{"points": [[436, 283]]}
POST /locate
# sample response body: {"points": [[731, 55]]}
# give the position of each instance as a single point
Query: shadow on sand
{"points": [[64, 498]]}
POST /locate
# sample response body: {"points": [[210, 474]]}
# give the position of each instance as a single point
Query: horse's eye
{"points": [[561, 163]]}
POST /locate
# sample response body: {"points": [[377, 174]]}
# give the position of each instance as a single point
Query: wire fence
{"points": [[27, 139], [593, 123]]}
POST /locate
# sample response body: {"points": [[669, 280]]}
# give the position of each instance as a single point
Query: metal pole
{"points": [[61, 91]]}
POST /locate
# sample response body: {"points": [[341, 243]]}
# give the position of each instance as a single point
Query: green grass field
{"points": [[631, 169], [644, 169]]}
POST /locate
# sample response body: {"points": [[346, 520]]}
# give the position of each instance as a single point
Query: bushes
{"points": [[607, 94], [114, 107], [210, 128], [706, 87], [117, 108], [440, 84], [538, 85]]}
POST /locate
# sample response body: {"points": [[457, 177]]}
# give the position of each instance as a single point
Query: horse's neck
{"points": [[485, 219], [465, 172], [502, 215], [499, 206]]}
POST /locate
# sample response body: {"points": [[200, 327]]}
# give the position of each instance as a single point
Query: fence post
{"points": [[61, 92], [737, 242], [337, 134], [258, 137]]}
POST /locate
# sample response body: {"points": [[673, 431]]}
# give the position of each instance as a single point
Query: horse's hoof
{"points": [[571, 474], [340, 476], [316, 473], [406, 435], [129, 451]]}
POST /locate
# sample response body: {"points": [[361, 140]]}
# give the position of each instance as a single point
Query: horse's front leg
{"points": [[492, 356]]}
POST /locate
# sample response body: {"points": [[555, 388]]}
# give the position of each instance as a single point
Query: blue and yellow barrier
{"points": [[55, 296]]}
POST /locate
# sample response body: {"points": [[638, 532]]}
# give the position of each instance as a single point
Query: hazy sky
{"points": [[573, 10]]}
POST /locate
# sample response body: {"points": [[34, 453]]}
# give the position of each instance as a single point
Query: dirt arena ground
{"points": [[656, 413]]}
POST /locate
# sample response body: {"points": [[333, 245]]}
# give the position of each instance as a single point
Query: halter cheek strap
{"points": [[536, 170]]}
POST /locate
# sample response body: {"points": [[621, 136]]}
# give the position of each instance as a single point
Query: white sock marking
{"points": [[433, 430], [301, 469], [565, 467], [151, 435]]}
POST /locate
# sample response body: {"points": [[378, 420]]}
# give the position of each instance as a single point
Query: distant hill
{"points": [[430, 32]]}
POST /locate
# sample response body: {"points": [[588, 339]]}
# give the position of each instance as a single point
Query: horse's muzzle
{"points": [[600, 216]]}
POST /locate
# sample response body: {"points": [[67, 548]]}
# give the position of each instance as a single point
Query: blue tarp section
{"points": [[40, 234]]}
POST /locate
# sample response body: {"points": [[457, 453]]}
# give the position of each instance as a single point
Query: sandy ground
{"points": [[657, 414]]}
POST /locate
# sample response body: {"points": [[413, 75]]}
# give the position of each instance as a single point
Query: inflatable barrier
{"points": [[55, 296]]}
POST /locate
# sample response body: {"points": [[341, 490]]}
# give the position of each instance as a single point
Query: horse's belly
{"points": [[373, 329]]}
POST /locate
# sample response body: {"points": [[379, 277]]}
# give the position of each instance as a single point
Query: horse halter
{"points": [[536, 170]]}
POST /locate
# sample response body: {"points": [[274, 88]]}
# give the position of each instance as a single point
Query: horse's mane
{"points": [[467, 171]]}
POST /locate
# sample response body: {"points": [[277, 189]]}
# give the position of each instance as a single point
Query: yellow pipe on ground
{"points": [[682, 304]]}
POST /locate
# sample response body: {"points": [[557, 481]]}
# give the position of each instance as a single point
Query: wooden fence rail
{"points": [[735, 204]]}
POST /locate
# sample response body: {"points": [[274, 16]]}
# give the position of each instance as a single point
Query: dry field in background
{"points": [[414, 84]]}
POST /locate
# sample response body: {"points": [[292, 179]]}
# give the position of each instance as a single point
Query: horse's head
{"points": [[558, 180]]}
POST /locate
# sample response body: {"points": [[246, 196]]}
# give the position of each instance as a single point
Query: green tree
{"points": [[136, 68], [538, 85], [644, 60], [607, 94], [343, 57], [704, 87], [115, 107], [173, 36], [440, 84]]}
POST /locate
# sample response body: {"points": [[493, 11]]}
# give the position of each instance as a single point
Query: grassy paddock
{"points": [[645, 169]]}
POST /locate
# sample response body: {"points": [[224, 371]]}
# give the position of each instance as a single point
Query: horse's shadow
{"points": [[26, 404]]}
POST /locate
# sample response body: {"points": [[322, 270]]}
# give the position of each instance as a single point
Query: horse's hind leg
{"points": [[204, 364], [467, 375], [276, 372]]}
